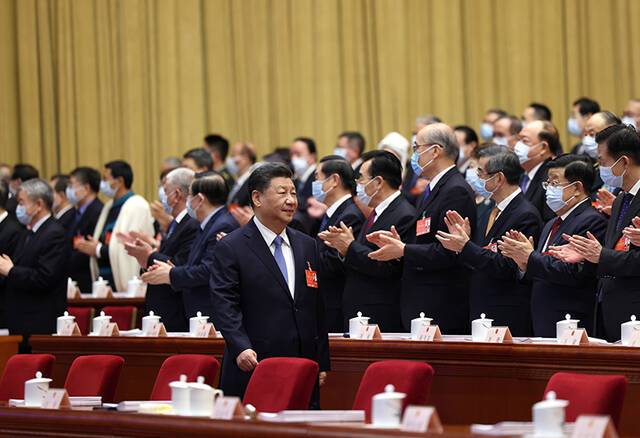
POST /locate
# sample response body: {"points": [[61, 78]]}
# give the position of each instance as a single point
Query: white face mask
{"points": [[300, 165], [522, 151], [589, 146], [628, 120]]}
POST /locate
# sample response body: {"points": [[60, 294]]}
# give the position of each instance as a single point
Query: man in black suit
{"points": [[162, 299], [303, 159], [559, 287], [618, 260], [539, 143], [82, 192], [433, 281], [205, 204], [242, 163], [266, 286], [63, 210], [334, 186], [495, 288], [21, 173], [35, 277], [371, 286], [10, 233]]}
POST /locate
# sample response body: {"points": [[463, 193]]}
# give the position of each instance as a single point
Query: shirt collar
{"points": [[84, 206], [506, 201], [63, 211], [206, 220], [332, 209], [269, 235], [181, 216], [566, 215], [38, 224], [3, 216], [384, 204], [307, 173], [533, 171], [439, 176], [635, 188]]}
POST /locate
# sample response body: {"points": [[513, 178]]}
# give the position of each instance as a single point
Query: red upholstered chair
{"points": [[124, 316], [83, 315], [280, 383], [193, 365], [94, 376], [589, 394], [410, 377], [19, 369]]}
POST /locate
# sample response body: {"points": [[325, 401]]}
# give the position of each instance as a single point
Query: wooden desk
{"points": [[468, 376], [48, 423], [8, 347]]}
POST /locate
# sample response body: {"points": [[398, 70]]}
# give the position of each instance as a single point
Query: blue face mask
{"points": [[478, 184], [23, 217], [190, 211], [415, 161], [231, 165], [589, 146], [554, 197], [486, 130], [165, 200], [522, 151], [608, 177], [107, 190], [317, 192], [574, 127], [362, 194], [72, 196], [341, 152]]}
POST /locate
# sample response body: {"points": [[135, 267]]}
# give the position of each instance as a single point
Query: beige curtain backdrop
{"points": [[86, 81]]}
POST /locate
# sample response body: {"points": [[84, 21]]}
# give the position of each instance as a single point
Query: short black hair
{"points": [[621, 140], [355, 139], [576, 168], [469, 133], [218, 143], [541, 111], [386, 165], [87, 175], [4, 193], [121, 169], [501, 159], [24, 172], [260, 178], [200, 156], [213, 187], [587, 106], [335, 164], [311, 145], [62, 181], [549, 133]]}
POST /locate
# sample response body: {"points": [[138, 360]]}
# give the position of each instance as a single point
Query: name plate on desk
{"points": [[421, 419], [70, 330], [103, 292], [429, 333], [206, 331], [56, 399], [594, 426], [574, 337], [370, 331], [498, 335], [110, 329], [227, 408], [156, 330]]}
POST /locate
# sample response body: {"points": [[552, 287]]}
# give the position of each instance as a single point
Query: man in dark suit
{"points": [[618, 260], [162, 299], [495, 288], [334, 186], [433, 281], [371, 286], [266, 286], [242, 163], [10, 233], [35, 277], [206, 205], [303, 159], [559, 287], [82, 192], [539, 143], [63, 210]]}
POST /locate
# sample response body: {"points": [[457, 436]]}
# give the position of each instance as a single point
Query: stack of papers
{"points": [[313, 416], [134, 405], [76, 402]]}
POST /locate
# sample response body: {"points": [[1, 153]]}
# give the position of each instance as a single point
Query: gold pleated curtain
{"points": [[86, 81]]}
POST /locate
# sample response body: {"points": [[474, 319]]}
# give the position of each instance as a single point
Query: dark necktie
{"points": [[369, 223], [524, 184], [554, 230], [324, 223], [172, 227], [626, 202]]}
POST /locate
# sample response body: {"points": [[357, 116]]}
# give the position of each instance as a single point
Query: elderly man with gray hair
{"points": [[35, 277], [433, 281]]}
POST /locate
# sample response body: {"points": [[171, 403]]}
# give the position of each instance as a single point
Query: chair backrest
{"points": [[20, 368], [124, 316], [94, 375], [193, 365], [409, 377], [280, 383], [589, 394], [83, 315]]}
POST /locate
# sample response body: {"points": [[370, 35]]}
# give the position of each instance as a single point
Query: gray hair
{"points": [[181, 178], [37, 188], [441, 134], [502, 159], [172, 162], [427, 119]]}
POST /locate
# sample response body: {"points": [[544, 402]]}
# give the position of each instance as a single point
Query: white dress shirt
{"points": [[63, 211], [38, 224], [269, 236], [384, 204], [438, 177], [331, 210], [531, 174], [506, 201], [3, 216], [206, 220]]}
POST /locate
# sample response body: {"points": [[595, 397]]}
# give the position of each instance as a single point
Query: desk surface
{"points": [[102, 302], [474, 382]]}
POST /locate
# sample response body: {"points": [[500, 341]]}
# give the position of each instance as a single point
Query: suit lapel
{"points": [[557, 239], [336, 214], [496, 229], [198, 244], [631, 212], [299, 262]]}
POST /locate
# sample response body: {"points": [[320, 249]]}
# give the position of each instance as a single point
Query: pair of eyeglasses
{"points": [[547, 184], [415, 146]]}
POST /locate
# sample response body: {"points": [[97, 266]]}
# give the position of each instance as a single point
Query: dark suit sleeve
{"points": [[331, 263], [49, 265], [619, 263], [180, 258], [495, 264], [323, 336], [225, 297]]}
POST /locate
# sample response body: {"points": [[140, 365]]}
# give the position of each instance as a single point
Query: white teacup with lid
{"points": [[628, 330], [149, 321], [180, 396], [64, 321], [355, 323], [480, 328], [135, 287], [416, 323], [35, 390], [98, 288], [197, 321], [99, 322], [386, 407], [566, 324], [548, 416], [202, 398]]}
